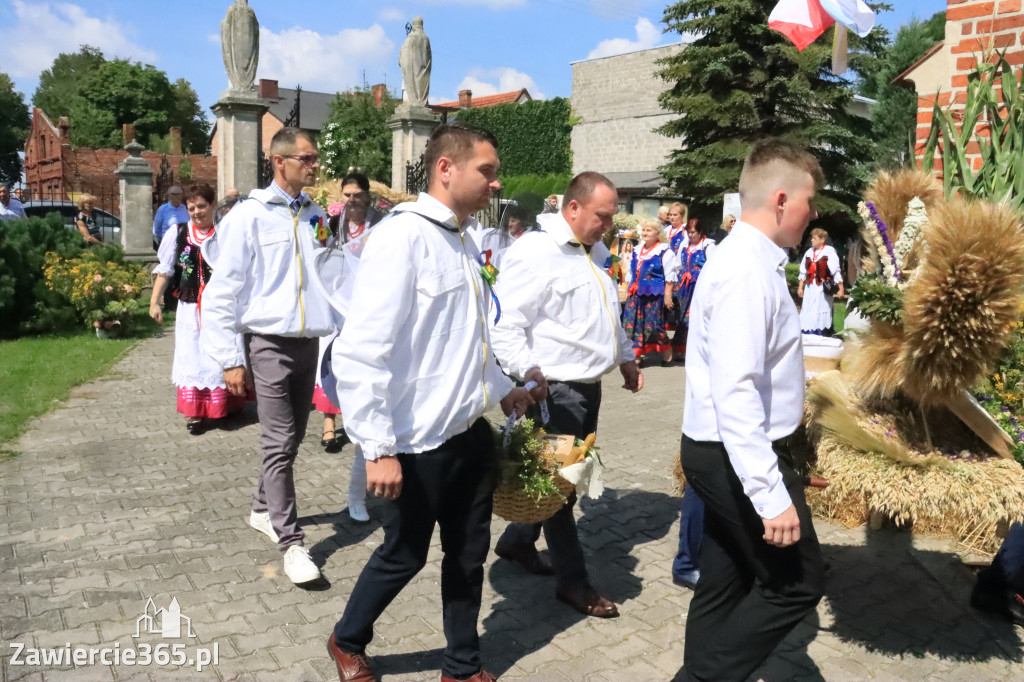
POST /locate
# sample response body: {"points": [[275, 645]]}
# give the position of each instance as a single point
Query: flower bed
{"points": [[104, 292]]}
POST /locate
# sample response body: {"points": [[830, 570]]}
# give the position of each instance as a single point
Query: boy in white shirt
{"points": [[761, 565]]}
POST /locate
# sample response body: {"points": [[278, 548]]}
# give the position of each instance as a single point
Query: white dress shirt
{"points": [[262, 282], [413, 362], [559, 308], [745, 362]]}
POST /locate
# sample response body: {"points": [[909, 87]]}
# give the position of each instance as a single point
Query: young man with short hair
{"points": [[415, 376], [760, 562]]}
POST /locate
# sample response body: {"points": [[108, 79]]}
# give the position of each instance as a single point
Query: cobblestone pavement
{"points": [[111, 503]]}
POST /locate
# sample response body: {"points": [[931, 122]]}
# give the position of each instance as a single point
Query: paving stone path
{"points": [[111, 503]]}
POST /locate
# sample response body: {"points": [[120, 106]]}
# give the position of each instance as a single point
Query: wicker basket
{"points": [[513, 504]]}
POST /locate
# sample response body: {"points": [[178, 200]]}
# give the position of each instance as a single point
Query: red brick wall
{"points": [[54, 170], [978, 27]]}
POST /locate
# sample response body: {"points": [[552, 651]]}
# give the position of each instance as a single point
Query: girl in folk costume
{"points": [[651, 273], [350, 223], [692, 257], [202, 394], [819, 268]]}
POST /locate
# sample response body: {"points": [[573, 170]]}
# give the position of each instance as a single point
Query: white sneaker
{"points": [[261, 521], [298, 566], [357, 510]]}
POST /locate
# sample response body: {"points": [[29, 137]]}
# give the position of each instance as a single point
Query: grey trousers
{"points": [[283, 371], [573, 407]]}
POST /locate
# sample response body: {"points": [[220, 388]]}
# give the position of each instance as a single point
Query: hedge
{"points": [[533, 137]]}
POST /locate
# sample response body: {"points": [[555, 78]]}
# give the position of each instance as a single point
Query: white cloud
{"points": [[647, 35], [492, 81], [392, 14], [42, 30], [328, 63]]}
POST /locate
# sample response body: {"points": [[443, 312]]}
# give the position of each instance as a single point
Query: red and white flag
{"points": [[802, 21]]}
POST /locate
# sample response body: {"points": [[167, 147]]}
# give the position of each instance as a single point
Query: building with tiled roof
{"points": [[467, 101]]}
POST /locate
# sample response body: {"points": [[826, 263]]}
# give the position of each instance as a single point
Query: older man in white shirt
{"points": [[760, 562], [415, 376], [262, 287], [560, 326]]}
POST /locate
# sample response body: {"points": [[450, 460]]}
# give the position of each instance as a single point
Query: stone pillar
{"points": [[135, 180], [239, 122], [410, 130]]}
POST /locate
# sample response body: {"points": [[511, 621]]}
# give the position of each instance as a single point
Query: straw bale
{"points": [[875, 361], [959, 310], [890, 192]]}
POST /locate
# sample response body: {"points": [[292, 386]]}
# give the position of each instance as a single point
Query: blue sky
{"points": [[487, 46]]}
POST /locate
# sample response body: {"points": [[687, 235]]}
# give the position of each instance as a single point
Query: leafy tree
{"points": [[58, 85], [356, 135], [14, 127], [895, 115], [533, 137], [740, 81], [99, 96]]}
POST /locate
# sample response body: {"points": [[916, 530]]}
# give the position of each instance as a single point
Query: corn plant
{"points": [[993, 117]]}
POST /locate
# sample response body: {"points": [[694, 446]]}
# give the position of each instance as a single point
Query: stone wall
{"points": [[617, 100]]}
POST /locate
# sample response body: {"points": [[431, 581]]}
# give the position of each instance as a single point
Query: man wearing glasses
{"points": [[262, 289]]}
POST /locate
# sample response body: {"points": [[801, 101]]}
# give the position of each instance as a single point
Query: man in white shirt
{"points": [[10, 208], [560, 326], [262, 287], [760, 562], [415, 376]]}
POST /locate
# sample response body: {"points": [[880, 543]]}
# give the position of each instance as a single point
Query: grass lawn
{"points": [[38, 371], [839, 314]]}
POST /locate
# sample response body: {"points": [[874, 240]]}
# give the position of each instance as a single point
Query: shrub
{"points": [[552, 183], [23, 293], [99, 285], [533, 137]]}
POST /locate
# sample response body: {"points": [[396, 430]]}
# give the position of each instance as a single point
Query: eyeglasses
{"points": [[306, 159]]}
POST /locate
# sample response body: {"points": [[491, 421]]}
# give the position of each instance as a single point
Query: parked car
{"points": [[108, 222]]}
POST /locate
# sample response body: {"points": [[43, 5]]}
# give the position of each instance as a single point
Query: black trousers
{"points": [[750, 594], [573, 408], [451, 486]]}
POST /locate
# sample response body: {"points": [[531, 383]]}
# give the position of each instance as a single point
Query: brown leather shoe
{"points": [[481, 676], [525, 557], [351, 667], [587, 601]]}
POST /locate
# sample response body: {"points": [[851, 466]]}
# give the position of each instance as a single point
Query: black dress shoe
{"points": [[196, 427], [526, 558]]}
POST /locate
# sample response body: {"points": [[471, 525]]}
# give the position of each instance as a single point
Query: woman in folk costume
{"points": [[514, 224], [819, 268], [202, 394], [677, 214], [350, 222], [651, 274], [692, 257]]}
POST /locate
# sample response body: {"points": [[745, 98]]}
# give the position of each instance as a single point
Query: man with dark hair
{"points": [[415, 377], [10, 207], [761, 569], [262, 287], [560, 326]]}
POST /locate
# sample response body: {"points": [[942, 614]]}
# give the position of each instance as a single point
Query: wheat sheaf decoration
{"points": [[890, 193], [966, 295]]}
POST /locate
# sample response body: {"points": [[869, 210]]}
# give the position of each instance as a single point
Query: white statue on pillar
{"points": [[415, 60], [240, 45]]}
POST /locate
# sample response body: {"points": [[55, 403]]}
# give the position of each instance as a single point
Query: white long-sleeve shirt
{"points": [[413, 362], [559, 308], [262, 279], [745, 362]]}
